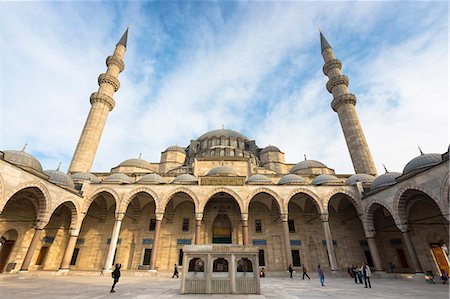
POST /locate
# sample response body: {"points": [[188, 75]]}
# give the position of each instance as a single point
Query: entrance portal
{"points": [[6, 247], [222, 229]]}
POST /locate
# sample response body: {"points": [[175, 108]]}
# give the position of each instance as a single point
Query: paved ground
{"points": [[36, 287]]}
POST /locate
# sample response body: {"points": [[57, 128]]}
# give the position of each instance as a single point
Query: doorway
{"points": [[222, 229], [7, 242]]}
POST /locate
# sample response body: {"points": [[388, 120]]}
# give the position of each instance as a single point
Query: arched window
{"points": [[244, 265], [222, 153], [196, 265], [220, 265]]}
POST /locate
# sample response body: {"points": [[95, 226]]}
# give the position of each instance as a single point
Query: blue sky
{"points": [[254, 67]]}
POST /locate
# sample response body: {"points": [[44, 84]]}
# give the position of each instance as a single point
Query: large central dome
{"points": [[222, 133]]}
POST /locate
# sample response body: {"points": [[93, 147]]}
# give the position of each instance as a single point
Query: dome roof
{"points": [[222, 132], [21, 158], [307, 164], [360, 177], [325, 179], [386, 179], [85, 176], [222, 171], [291, 179], [152, 178], [118, 178], [185, 179], [176, 148], [259, 178], [270, 148], [60, 178], [140, 163], [422, 161]]}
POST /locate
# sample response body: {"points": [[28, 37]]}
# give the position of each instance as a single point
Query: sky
{"points": [[253, 67]]}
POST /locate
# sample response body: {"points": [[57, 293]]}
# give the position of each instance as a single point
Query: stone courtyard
{"points": [[51, 286]]}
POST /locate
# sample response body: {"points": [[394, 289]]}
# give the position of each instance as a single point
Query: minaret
{"points": [[344, 104], [101, 103]]}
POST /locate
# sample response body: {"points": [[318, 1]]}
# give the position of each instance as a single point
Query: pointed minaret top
{"points": [[323, 42], [124, 38], [385, 169], [59, 165], [420, 150], [24, 147], [305, 156]]}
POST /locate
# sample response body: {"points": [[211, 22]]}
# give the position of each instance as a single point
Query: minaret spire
{"points": [[101, 103], [344, 104]]}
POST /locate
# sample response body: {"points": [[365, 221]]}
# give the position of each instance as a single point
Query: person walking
{"points": [[355, 273], [115, 275], [304, 272], [367, 273], [290, 270], [175, 271], [321, 275]]}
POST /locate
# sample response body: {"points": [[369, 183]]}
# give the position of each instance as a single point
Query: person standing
{"points": [[290, 270], [367, 273], [115, 275], [321, 275], [175, 271], [304, 272]]}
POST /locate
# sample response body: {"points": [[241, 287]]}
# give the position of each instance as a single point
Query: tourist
{"points": [[359, 274], [115, 275], [365, 269], [355, 273], [304, 272], [392, 267], [290, 270], [175, 271], [444, 276], [321, 275], [261, 273], [102, 272], [350, 272]]}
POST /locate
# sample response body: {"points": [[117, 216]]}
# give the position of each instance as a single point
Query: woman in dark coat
{"points": [[115, 275]]}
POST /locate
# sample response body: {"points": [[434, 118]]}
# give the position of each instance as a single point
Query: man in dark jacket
{"points": [[290, 270], [115, 275]]}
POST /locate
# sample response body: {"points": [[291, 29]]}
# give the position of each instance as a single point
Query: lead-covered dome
{"points": [[384, 180], [359, 177], [326, 179], [222, 171], [140, 163], [270, 148], [152, 179], [118, 178], [291, 179], [176, 148], [422, 161], [259, 179], [60, 178], [85, 176], [222, 132], [186, 178], [21, 158], [307, 164]]}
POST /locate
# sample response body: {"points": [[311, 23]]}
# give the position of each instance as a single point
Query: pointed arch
{"points": [[266, 190], [314, 196], [230, 192], [352, 197], [165, 200], [92, 196], [129, 197], [368, 215], [73, 208], [2, 187]]}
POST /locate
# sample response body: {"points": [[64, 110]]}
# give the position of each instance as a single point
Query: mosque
{"points": [[222, 188]]}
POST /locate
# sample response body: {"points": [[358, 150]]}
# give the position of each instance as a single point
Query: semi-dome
{"points": [[384, 180], [259, 179], [185, 179], [222, 171], [222, 132], [60, 178], [176, 148], [325, 179], [118, 178], [21, 158], [291, 179], [270, 148], [307, 164], [359, 177], [85, 176], [422, 161], [152, 178], [140, 163]]}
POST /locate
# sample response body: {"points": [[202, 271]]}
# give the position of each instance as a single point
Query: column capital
{"points": [[244, 216], [119, 216], [40, 224], [199, 216], [370, 235], [284, 217], [159, 216], [324, 217], [74, 232]]}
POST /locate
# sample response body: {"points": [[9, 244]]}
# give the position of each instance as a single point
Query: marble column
{"points": [[244, 217], [32, 247], [374, 253], [159, 217], [67, 257], [329, 240], [113, 243], [198, 227], [287, 239], [412, 252]]}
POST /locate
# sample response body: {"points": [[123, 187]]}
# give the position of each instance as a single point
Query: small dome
{"points": [[152, 178], [176, 148], [422, 161], [60, 178], [325, 179], [259, 178], [307, 164], [384, 180], [119, 178], [222, 171], [21, 158], [291, 179], [270, 148], [360, 177], [85, 176], [222, 132], [185, 179], [140, 163]]}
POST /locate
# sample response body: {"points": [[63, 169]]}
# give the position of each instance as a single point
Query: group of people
{"points": [[305, 273], [361, 274]]}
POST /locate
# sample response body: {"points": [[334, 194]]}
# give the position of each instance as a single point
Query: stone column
{"points": [[198, 227], [32, 247], [113, 244], [232, 273], [412, 252], [374, 253], [244, 217], [287, 239], [159, 217], [329, 240], [65, 263]]}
